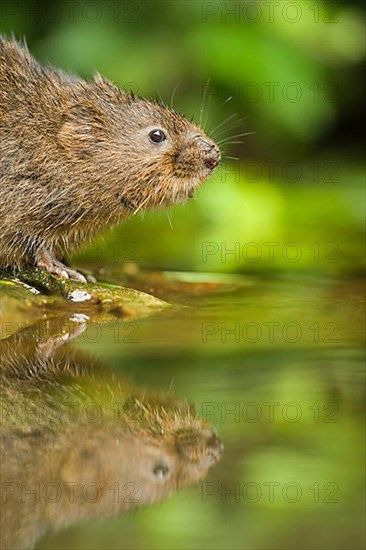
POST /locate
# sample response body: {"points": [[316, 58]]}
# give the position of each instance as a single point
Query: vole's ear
{"points": [[83, 130], [82, 464], [110, 90]]}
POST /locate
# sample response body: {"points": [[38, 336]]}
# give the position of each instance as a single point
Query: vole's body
{"points": [[77, 156]]}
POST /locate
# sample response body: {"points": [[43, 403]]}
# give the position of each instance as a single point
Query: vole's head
{"points": [[168, 155], [162, 447], [151, 156]]}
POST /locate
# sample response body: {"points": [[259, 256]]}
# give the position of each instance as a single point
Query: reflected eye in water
{"points": [[161, 454], [161, 471]]}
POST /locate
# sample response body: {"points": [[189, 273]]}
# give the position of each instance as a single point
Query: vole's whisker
{"points": [[169, 219], [171, 385], [160, 97], [141, 206], [226, 100], [234, 142], [223, 122], [173, 95], [243, 134], [234, 124], [204, 98]]}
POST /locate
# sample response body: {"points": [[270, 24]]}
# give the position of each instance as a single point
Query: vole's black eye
{"points": [[157, 136], [160, 470]]}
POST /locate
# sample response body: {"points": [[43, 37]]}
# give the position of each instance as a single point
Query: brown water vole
{"points": [[78, 156]]}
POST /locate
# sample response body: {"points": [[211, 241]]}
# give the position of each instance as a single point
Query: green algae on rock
{"points": [[33, 295]]}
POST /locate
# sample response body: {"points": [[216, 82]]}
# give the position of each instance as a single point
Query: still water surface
{"points": [[274, 368]]}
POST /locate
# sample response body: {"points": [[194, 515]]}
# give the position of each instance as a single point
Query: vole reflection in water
{"points": [[78, 442]]}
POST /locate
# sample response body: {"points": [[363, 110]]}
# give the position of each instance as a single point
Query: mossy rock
{"points": [[33, 295]]}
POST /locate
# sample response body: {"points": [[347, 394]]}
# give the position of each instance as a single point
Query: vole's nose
{"points": [[213, 160], [215, 444], [212, 153]]}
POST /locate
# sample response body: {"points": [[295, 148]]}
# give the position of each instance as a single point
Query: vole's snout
{"points": [[212, 152], [215, 445], [214, 442], [200, 447], [212, 161]]}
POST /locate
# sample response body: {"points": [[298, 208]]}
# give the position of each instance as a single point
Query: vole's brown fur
{"points": [[76, 157]]}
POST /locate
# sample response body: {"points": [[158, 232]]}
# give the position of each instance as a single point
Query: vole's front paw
{"points": [[72, 274], [47, 261]]}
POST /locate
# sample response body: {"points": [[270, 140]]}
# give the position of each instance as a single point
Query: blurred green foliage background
{"points": [[293, 201], [294, 73]]}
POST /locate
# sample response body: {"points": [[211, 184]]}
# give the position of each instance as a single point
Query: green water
{"points": [[276, 366]]}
